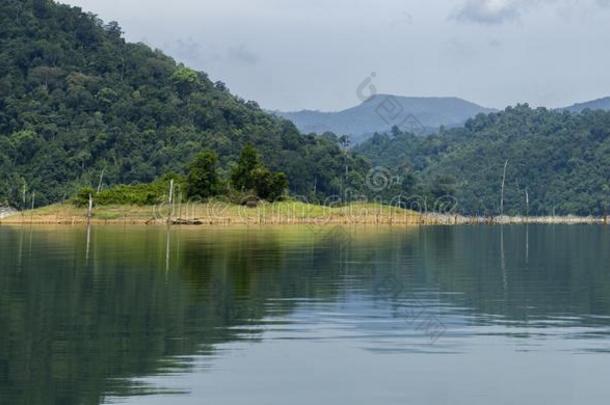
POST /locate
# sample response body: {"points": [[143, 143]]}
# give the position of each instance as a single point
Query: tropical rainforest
{"points": [[557, 163], [82, 109], [78, 101]]}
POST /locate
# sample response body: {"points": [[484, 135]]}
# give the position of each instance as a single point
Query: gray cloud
{"points": [[185, 49], [290, 54], [201, 55], [495, 12], [489, 11], [404, 18], [495, 43], [460, 49], [242, 55]]}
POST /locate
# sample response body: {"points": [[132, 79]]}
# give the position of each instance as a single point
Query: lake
{"points": [[303, 315]]}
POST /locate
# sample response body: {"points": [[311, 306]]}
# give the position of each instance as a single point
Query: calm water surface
{"points": [[446, 315]]}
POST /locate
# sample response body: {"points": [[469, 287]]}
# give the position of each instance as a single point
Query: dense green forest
{"points": [[76, 100], [559, 161]]}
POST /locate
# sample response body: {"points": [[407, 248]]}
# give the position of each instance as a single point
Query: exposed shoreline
{"points": [[285, 213]]}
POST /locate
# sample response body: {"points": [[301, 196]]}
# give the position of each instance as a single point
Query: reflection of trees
{"points": [[79, 309], [524, 273], [68, 324]]}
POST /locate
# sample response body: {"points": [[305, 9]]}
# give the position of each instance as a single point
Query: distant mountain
{"points": [[380, 113], [599, 104]]}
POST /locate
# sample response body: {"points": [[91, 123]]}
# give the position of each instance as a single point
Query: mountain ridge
{"points": [[381, 112], [425, 110], [596, 104]]}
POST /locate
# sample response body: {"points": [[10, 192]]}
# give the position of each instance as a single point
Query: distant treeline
{"points": [[558, 162]]}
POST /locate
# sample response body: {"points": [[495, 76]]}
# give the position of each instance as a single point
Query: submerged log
{"points": [[181, 221]]}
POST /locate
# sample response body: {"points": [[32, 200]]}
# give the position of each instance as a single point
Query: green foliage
{"points": [[202, 179], [156, 192], [561, 159], [185, 80], [251, 174], [269, 186], [242, 177], [76, 100]]}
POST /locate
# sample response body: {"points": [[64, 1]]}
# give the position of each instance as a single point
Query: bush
{"points": [[136, 194]]}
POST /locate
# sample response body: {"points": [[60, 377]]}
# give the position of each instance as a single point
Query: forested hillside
{"points": [[76, 100], [560, 160]]}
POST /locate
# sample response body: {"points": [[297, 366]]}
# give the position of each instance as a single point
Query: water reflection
{"points": [[85, 313]]}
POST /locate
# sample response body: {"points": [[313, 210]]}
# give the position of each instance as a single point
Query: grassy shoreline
{"points": [[280, 213], [219, 213]]}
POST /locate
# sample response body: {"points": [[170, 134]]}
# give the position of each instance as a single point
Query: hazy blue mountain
{"points": [[380, 113], [599, 104]]}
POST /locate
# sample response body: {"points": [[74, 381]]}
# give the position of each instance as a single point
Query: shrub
{"points": [[135, 194]]}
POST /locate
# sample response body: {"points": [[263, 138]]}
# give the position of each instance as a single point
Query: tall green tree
{"points": [[202, 179], [250, 174], [269, 186], [242, 177]]}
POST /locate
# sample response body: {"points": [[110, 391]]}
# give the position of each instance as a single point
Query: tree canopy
{"points": [[558, 162], [202, 179], [76, 99]]}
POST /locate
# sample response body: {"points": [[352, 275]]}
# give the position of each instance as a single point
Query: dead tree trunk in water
{"points": [[170, 201], [24, 196], [527, 204], [99, 186], [502, 193], [33, 205], [24, 207], [90, 208]]}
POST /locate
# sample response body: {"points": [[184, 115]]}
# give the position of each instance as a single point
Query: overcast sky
{"points": [[289, 54]]}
